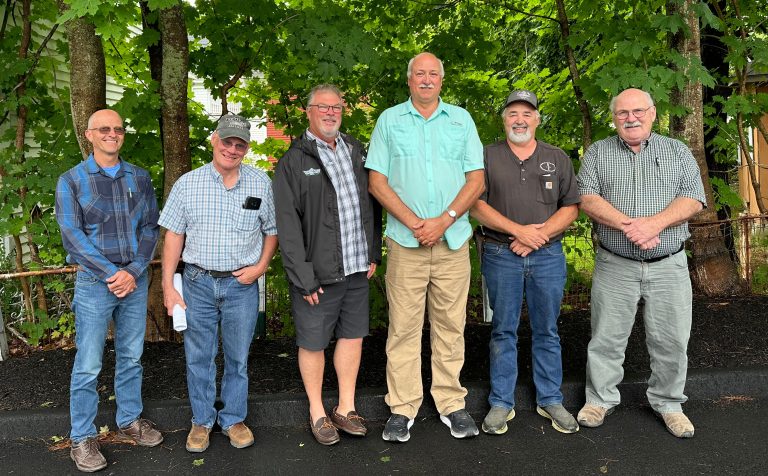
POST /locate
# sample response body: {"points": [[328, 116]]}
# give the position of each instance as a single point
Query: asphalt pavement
{"points": [[730, 439], [727, 406]]}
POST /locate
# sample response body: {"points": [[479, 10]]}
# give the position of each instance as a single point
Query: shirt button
{"points": [[523, 179]]}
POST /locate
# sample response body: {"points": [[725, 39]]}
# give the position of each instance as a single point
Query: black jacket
{"points": [[307, 214]]}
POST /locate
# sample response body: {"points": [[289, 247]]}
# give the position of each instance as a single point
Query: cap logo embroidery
{"points": [[310, 172]]}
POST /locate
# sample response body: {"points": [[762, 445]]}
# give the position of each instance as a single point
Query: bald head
{"points": [[106, 114], [106, 133]]}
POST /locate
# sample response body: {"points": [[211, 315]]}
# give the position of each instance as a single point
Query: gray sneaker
{"points": [[396, 429], [87, 456], [461, 424], [495, 422], [562, 421]]}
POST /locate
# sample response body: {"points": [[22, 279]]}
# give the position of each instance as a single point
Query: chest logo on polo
{"points": [[547, 167], [310, 172]]}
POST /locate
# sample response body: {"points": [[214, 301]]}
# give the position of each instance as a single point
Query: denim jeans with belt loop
{"points": [[94, 306], [539, 278], [214, 303]]}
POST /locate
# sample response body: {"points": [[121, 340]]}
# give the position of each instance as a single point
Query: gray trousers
{"points": [[617, 286]]}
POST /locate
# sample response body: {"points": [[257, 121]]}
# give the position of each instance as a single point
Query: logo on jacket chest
{"points": [[310, 172]]}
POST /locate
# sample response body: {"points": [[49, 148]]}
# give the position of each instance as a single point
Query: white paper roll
{"points": [[179, 314]]}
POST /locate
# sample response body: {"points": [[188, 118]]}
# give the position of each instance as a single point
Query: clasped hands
{"points": [[430, 231], [121, 283], [642, 231]]}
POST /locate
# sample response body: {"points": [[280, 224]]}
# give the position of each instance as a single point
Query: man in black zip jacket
{"points": [[329, 229]]}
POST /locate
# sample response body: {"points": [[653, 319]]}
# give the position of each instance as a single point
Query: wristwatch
{"points": [[452, 214]]}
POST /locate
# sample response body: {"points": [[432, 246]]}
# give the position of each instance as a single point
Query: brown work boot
{"points": [[197, 440], [324, 431], [87, 456], [143, 432], [353, 423], [240, 436]]}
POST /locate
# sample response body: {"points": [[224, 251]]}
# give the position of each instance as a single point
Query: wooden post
{"points": [[3, 340]]}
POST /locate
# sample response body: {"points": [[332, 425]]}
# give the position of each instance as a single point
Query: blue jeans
{"points": [[540, 278], [94, 305], [212, 302]]}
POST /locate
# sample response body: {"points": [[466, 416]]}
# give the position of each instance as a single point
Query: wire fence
{"points": [[746, 239]]}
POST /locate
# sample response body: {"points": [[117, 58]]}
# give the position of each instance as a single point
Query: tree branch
{"points": [[36, 59]]}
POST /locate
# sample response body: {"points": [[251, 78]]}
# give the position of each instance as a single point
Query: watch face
{"points": [[452, 214]]}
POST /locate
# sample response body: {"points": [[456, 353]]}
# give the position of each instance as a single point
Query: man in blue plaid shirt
{"points": [[107, 213]]}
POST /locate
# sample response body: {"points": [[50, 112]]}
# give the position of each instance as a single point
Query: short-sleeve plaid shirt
{"points": [[338, 164], [640, 185], [221, 235]]}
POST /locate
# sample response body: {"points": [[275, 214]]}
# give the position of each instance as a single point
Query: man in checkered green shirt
{"points": [[640, 189]]}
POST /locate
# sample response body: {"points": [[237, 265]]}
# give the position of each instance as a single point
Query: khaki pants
{"points": [[440, 277]]}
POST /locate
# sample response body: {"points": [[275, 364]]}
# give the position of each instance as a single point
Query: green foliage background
{"points": [[283, 48]]}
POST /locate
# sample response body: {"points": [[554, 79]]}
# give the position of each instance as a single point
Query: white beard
{"points": [[516, 138]]}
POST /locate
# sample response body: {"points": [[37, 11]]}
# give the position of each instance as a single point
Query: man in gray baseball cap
{"points": [[522, 95], [530, 199], [222, 217]]}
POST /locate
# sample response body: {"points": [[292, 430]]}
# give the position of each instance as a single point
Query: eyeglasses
{"points": [[635, 112], [433, 75], [105, 130], [239, 146], [337, 108]]}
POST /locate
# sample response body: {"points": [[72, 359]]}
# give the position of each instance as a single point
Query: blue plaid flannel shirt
{"points": [[107, 224]]}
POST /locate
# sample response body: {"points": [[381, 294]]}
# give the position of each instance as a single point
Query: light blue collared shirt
{"points": [[425, 162]]}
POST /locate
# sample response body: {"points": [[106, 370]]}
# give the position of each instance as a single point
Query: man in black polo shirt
{"points": [[530, 199]]}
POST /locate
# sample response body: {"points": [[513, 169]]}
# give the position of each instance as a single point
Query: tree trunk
{"points": [[174, 126], [173, 94], [87, 76], [713, 271]]}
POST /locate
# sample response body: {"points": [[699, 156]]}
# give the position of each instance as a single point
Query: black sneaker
{"points": [[397, 428], [461, 424]]}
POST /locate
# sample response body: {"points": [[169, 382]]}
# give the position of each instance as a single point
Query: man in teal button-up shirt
{"points": [[426, 169]]}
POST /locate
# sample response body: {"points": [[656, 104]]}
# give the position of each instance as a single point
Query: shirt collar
{"points": [[441, 108], [94, 168], [322, 142], [643, 144], [216, 175]]}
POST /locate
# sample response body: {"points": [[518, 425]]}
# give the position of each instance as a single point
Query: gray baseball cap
{"points": [[233, 125], [522, 95]]}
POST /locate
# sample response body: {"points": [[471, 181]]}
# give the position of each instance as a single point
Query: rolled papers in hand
{"points": [[179, 314]]}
